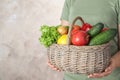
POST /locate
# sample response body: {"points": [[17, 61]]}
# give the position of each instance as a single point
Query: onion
{"points": [[62, 30]]}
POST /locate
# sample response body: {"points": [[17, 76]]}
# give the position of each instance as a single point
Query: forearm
{"points": [[119, 36], [116, 59], [64, 23]]}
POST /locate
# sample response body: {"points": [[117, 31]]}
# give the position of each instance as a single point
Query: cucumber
{"points": [[103, 37], [95, 29]]}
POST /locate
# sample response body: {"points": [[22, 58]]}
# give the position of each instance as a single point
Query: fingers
{"points": [[52, 66], [108, 70], [48, 63], [110, 67], [99, 75]]}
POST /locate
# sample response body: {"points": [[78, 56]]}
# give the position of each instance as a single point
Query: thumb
{"points": [[111, 66]]}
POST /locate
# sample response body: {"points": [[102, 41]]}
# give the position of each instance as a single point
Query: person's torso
{"points": [[94, 11]]}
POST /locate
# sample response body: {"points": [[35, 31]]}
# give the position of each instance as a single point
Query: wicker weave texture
{"points": [[79, 59]]}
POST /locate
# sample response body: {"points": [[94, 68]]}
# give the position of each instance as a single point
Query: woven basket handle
{"points": [[70, 28]]}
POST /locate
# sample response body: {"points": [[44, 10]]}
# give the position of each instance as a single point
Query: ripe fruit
{"points": [[62, 30], [74, 31], [62, 39], [76, 27], [80, 38], [86, 27]]}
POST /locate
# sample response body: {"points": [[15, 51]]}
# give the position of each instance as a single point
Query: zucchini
{"points": [[103, 37], [95, 29]]}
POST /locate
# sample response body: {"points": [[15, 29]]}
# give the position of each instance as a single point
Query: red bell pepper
{"points": [[86, 27]]}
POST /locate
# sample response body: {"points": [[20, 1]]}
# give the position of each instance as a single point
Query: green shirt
{"points": [[94, 11]]}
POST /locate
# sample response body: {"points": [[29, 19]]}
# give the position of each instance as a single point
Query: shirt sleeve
{"points": [[65, 10], [119, 12]]}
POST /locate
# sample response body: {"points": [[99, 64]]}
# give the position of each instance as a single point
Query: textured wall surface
{"points": [[21, 55]]}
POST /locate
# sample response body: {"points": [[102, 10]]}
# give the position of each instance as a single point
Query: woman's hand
{"points": [[107, 71], [52, 66], [115, 62]]}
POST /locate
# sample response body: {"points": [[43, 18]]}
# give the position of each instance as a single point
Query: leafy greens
{"points": [[49, 35]]}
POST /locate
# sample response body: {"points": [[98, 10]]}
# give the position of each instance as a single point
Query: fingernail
{"points": [[109, 68], [95, 74], [89, 76], [58, 70]]}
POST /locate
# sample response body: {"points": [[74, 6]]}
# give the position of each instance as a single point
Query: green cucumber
{"points": [[95, 29], [103, 37]]}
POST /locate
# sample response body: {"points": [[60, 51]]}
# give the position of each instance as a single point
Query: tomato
{"points": [[76, 27], [80, 38], [73, 31]]}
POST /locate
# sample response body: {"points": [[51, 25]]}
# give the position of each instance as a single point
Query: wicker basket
{"points": [[79, 59]]}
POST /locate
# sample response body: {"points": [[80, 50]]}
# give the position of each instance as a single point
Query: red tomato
{"points": [[80, 38], [74, 31], [76, 27]]}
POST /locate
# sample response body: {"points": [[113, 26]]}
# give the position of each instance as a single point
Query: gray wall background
{"points": [[21, 55]]}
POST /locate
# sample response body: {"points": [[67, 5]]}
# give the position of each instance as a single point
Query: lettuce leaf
{"points": [[49, 35]]}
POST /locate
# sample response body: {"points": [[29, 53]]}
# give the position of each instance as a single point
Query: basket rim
{"points": [[93, 46]]}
